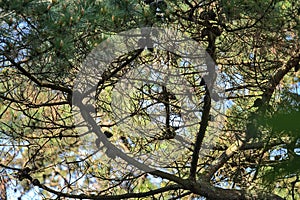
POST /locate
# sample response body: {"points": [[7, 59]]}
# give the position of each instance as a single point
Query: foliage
{"points": [[242, 144]]}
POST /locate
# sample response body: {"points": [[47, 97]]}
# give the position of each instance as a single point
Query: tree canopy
{"points": [[149, 99]]}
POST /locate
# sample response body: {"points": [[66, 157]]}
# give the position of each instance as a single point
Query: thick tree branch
{"points": [[108, 197], [204, 188], [200, 135], [273, 82]]}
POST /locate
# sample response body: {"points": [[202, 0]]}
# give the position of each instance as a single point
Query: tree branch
{"points": [[35, 80], [239, 144], [200, 135]]}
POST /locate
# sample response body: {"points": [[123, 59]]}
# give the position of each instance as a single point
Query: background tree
{"points": [[256, 154]]}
